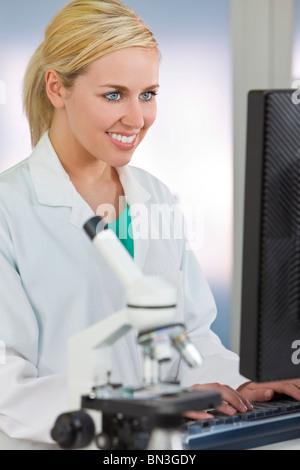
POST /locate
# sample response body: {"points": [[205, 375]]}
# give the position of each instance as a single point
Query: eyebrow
{"points": [[124, 88]]}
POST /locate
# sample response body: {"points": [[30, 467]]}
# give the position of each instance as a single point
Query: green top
{"points": [[123, 230]]}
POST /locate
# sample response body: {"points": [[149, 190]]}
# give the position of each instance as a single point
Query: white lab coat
{"points": [[54, 284]]}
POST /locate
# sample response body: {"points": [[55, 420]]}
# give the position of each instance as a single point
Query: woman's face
{"points": [[110, 108]]}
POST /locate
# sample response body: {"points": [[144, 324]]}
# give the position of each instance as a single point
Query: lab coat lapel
{"points": [[52, 184], [54, 188], [138, 199]]}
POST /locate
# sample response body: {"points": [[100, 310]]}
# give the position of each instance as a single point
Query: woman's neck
{"points": [[96, 181]]}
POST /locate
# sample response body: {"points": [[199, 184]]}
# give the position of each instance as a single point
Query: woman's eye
{"points": [[147, 95], [115, 96]]}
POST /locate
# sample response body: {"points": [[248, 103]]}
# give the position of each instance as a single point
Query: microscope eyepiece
{"points": [[94, 226]]}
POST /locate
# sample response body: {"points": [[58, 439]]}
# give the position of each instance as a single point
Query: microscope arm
{"points": [[89, 350], [89, 355]]}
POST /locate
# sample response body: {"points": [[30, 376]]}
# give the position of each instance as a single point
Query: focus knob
{"points": [[74, 430]]}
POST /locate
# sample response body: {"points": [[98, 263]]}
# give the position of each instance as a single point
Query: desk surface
{"points": [[286, 445]]}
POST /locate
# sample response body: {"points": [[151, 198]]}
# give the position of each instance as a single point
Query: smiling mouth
{"points": [[123, 138]]}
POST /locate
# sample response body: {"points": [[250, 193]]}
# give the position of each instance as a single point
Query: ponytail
{"points": [[37, 106]]}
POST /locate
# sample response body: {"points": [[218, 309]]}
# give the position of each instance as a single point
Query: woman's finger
{"points": [[232, 398], [197, 415]]}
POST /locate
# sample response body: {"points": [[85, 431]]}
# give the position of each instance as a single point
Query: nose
{"points": [[133, 116]]}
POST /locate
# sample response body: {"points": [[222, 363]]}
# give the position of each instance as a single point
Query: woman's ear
{"points": [[54, 88]]}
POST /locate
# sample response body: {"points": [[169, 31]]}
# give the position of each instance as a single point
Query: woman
{"points": [[89, 94]]}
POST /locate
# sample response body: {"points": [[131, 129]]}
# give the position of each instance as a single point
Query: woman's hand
{"points": [[265, 391], [233, 401], [240, 400]]}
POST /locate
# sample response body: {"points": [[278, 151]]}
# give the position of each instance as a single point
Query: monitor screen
{"points": [[270, 300]]}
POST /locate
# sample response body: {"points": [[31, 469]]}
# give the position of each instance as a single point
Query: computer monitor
{"points": [[270, 300]]}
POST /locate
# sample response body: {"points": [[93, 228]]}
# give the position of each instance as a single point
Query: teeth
{"points": [[123, 138]]}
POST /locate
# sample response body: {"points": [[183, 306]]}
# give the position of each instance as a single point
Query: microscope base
{"points": [[134, 423]]}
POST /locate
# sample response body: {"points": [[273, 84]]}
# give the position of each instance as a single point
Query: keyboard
{"points": [[268, 423]]}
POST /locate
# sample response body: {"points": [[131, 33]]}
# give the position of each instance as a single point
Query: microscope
{"points": [[111, 416]]}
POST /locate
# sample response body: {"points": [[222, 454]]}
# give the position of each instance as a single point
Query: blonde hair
{"points": [[81, 32]]}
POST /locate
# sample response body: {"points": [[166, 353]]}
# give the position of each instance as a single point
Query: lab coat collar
{"points": [[134, 191], [51, 182], [53, 187], [135, 194]]}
